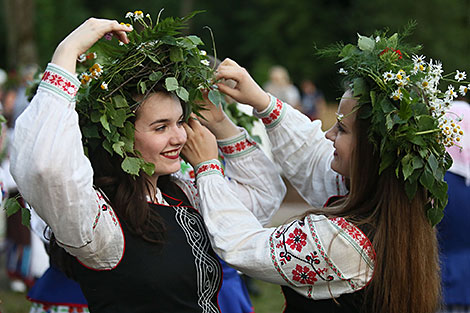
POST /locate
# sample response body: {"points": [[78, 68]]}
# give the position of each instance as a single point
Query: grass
{"points": [[270, 300], [13, 302]]}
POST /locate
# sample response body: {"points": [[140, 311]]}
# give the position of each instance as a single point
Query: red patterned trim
{"points": [[325, 255], [59, 82], [237, 147], [209, 167], [356, 234], [272, 250], [274, 114]]}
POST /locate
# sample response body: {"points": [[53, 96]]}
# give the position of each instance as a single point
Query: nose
{"points": [[178, 136], [331, 133]]}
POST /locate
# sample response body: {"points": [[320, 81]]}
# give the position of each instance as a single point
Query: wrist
{"points": [[224, 129], [265, 101], [65, 57]]}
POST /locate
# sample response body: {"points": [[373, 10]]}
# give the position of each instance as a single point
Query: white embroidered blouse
{"points": [[318, 257], [56, 178]]}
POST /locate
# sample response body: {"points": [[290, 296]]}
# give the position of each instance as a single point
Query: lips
{"points": [[173, 154]]}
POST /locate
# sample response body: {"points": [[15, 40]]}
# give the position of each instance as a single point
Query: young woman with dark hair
{"points": [[374, 250], [138, 241]]}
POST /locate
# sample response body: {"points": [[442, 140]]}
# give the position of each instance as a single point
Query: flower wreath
{"points": [[157, 54], [409, 125]]}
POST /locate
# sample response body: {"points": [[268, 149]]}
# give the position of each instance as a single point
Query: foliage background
{"points": [[261, 33]]}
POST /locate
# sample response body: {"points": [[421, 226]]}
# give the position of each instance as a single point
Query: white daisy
{"points": [[459, 76]]}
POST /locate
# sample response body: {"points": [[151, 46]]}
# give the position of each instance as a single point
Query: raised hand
{"points": [[246, 90], [201, 144], [83, 37]]}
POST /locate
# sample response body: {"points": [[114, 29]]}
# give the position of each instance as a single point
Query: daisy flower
{"points": [[418, 59], [459, 76], [138, 15], [397, 95], [129, 15], [343, 71], [463, 90], [388, 76], [104, 86], [205, 62]]}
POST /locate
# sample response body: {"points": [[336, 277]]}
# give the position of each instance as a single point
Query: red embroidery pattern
{"points": [[209, 167], [297, 239], [304, 275], [357, 235], [274, 115], [237, 147], [60, 82], [273, 259], [325, 255]]}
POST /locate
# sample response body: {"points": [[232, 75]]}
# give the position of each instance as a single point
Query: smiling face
{"points": [[159, 132], [342, 134]]}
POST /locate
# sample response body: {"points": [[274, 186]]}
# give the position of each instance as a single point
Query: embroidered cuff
{"points": [[208, 168], [273, 113], [237, 146], [60, 82]]}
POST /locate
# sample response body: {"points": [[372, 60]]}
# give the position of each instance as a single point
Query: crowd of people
{"points": [[124, 228]]}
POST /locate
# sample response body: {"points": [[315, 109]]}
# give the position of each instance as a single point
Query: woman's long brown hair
{"points": [[406, 274]]}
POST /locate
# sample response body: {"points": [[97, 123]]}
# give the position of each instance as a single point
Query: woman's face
{"points": [[342, 135], [159, 132]]}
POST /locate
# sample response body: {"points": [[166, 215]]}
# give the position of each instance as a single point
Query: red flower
{"points": [[297, 240], [303, 275], [397, 51]]}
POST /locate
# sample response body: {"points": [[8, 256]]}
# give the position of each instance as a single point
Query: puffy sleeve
{"points": [[319, 257], [54, 175], [300, 148]]}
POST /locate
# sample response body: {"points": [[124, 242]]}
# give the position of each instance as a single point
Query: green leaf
{"points": [[386, 160], [119, 117], [410, 189], [117, 147], [26, 217], [365, 43], [95, 116], [90, 131], [131, 165], [182, 93], [143, 87], [2, 119], [215, 97], [427, 179], [155, 76], [153, 58], [433, 164], [108, 146], [120, 102], [12, 206], [393, 41], [176, 54], [435, 215], [148, 168], [195, 40], [407, 168], [359, 87], [171, 84], [104, 122]]}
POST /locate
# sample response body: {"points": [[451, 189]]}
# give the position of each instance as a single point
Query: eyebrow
{"points": [[163, 120]]}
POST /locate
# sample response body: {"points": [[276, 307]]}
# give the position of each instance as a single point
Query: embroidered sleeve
{"points": [[211, 167], [56, 178], [273, 114], [237, 146], [60, 82], [322, 255], [300, 148]]}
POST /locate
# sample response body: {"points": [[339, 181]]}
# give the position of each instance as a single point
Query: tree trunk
{"points": [[21, 46]]}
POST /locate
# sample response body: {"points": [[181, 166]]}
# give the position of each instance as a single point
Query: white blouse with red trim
{"points": [[56, 178], [319, 257]]}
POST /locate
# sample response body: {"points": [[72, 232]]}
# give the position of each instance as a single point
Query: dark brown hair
{"points": [[406, 274]]}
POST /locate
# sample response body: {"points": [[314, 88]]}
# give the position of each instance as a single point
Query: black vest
{"points": [[346, 303], [182, 275]]}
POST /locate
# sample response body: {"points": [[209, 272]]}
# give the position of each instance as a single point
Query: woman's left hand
{"points": [[201, 144]]}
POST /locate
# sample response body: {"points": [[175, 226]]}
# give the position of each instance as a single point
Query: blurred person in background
{"points": [[454, 242], [312, 100], [280, 86]]}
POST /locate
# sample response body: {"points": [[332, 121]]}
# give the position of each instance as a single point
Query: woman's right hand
{"points": [[83, 37], [246, 90]]}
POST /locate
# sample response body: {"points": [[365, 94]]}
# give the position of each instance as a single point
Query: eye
{"points": [[180, 122], [340, 127], [160, 128]]}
